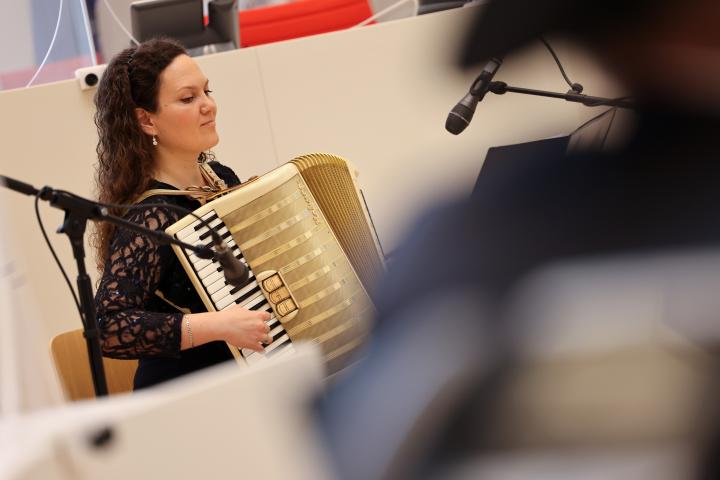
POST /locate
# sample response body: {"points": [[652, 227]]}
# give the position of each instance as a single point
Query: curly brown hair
{"points": [[125, 159]]}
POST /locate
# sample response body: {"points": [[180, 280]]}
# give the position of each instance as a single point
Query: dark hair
{"points": [[125, 159]]}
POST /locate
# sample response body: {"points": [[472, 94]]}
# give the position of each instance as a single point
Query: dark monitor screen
{"points": [[593, 134], [172, 18], [504, 160], [432, 6], [183, 20]]}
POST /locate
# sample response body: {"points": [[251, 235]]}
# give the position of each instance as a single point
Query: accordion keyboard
{"points": [[223, 295]]}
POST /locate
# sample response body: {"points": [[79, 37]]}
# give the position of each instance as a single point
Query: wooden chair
{"points": [[69, 353]]}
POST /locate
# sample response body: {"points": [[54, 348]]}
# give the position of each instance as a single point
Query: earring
{"points": [[154, 141]]}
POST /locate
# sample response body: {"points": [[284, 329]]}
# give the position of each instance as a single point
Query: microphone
{"points": [[18, 186], [236, 272], [459, 117]]}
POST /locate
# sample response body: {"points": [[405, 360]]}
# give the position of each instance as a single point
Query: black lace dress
{"points": [[135, 323]]}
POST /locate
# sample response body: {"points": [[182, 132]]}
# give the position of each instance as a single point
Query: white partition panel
{"points": [[377, 95], [246, 141], [380, 96]]}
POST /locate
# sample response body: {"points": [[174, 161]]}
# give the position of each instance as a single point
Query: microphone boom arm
{"points": [[501, 88]]}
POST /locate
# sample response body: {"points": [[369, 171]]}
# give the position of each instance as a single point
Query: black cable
{"points": [[52, 250], [108, 205], [576, 87]]}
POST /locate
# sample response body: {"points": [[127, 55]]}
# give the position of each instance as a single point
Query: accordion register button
{"points": [[285, 307]]}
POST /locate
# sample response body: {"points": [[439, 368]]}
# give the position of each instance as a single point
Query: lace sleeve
{"points": [[130, 278]]}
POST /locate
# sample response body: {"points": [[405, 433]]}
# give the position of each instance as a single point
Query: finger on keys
{"points": [[257, 347]]}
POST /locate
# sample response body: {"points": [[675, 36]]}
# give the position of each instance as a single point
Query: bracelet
{"points": [[189, 330]]}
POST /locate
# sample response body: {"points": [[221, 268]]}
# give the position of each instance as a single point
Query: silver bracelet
{"points": [[189, 330]]}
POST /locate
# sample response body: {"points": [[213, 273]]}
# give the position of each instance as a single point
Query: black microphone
{"points": [[236, 272], [459, 117], [18, 186]]}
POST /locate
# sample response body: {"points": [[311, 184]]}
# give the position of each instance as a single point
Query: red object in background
{"points": [[299, 19]]}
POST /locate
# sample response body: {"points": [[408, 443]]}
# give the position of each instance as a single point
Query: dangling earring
{"points": [[154, 141]]}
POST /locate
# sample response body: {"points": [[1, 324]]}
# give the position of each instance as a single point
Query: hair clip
{"points": [[131, 57]]}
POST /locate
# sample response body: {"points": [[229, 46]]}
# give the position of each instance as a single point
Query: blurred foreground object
{"points": [[603, 366], [489, 361], [206, 425]]}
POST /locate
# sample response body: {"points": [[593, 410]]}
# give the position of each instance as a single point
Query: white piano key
{"points": [[199, 263], [250, 286], [211, 278], [224, 302], [208, 270], [212, 287], [225, 291], [276, 344], [278, 348], [191, 228], [289, 350], [252, 357], [254, 300], [222, 292], [200, 235]]}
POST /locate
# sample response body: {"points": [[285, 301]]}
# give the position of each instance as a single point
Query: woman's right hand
{"points": [[244, 328]]}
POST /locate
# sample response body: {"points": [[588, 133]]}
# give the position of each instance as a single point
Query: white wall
{"points": [[16, 42], [377, 96], [111, 37]]}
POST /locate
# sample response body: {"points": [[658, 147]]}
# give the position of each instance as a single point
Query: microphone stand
{"points": [[78, 211], [501, 88]]}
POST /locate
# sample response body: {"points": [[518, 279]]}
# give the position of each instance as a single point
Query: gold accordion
{"points": [[305, 234]]}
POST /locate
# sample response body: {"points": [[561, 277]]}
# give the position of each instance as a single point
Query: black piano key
{"points": [[234, 290], [278, 335], [205, 235], [260, 307], [247, 295], [208, 220]]}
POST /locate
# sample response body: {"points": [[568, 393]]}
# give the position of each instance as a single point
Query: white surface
{"points": [[17, 50], [225, 421], [604, 303], [27, 381]]}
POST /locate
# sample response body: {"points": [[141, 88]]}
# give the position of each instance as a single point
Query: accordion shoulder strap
{"points": [[202, 194]]}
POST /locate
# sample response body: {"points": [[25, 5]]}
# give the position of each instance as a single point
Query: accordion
{"points": [[304, 232]]}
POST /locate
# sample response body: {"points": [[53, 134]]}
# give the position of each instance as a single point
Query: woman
{"points": [[155, 118]]}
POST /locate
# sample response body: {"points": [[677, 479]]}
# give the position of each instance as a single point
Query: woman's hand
{"points": [[245, 328], [236, 325]]}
